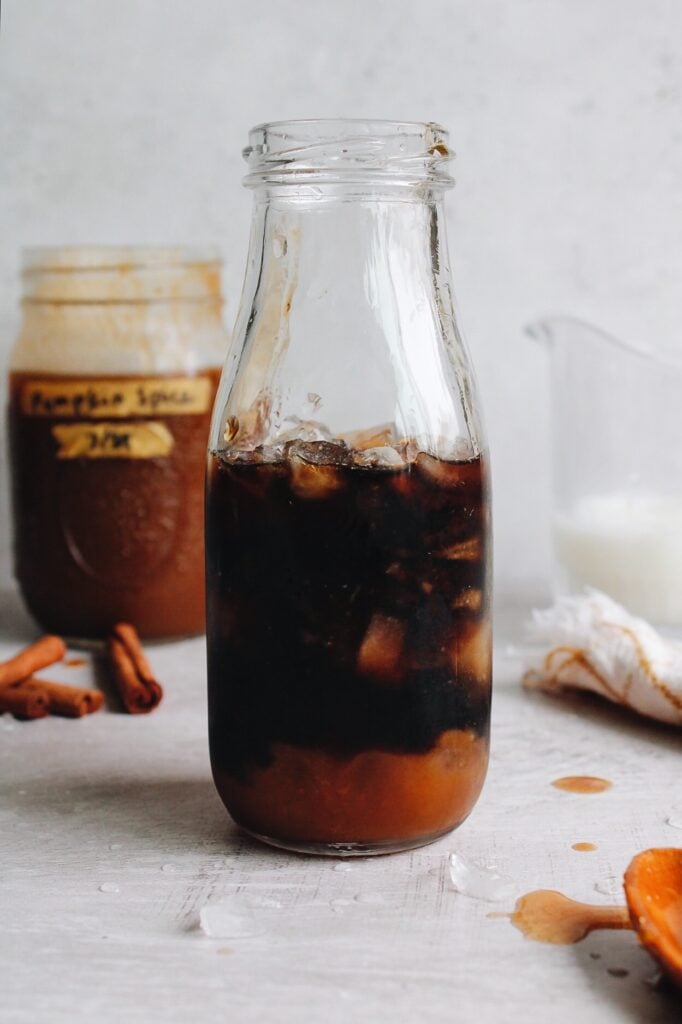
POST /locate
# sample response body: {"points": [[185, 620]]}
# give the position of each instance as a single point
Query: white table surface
{"points": [[126, 803]]}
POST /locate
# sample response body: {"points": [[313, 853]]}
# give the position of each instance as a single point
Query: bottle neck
{"points": [[358, 219], [346, 320], [316, 190], [377, 247], [355, 284]]}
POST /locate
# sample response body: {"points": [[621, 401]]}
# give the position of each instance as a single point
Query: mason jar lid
{"points": [[103, 274]]}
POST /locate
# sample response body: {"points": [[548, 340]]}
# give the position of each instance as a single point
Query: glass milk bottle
{"points": [[348, 527], [112, 380]]}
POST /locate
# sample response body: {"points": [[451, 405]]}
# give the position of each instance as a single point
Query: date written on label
{"points": [[98, 399], [146, 440]]}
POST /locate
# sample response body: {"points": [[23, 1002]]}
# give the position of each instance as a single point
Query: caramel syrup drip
{"points": [[584, 847], [582, 784], [548, 916]]}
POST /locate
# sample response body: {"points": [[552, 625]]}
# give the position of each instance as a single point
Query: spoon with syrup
{"points": [[653, 890]]}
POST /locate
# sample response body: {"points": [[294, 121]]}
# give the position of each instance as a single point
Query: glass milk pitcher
{"points": [[617, 467], [348, 583]]}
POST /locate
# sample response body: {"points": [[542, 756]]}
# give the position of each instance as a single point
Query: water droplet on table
{"points": [[115, 846], [609, 886], [479, 881], [371, 899], [109, 887], [342, 867], [168, 869], [674, 818]]}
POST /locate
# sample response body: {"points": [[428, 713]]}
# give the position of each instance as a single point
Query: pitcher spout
{"points": [[554, 330], [557, 332]]}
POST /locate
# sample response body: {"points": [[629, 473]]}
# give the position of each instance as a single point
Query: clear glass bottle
{"points": [[112, 381], [348, 547]]}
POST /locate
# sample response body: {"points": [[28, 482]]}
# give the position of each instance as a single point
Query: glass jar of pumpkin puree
{"points": [[112, 380]]}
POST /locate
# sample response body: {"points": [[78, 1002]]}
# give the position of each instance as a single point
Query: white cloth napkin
{"points": [[594, 644]]}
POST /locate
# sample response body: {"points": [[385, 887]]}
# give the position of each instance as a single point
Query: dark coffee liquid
{"points": [[348, 643], [113, 537]]}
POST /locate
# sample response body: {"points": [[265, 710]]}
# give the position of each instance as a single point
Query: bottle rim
{"points": [[343, 150]]}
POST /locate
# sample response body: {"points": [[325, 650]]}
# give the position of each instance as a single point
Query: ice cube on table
{"points": [[479, 881], [610, 885], [228, 918]]}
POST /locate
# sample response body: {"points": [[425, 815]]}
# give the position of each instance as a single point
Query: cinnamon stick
{"points": [[68, 701], [24, 700], [138, 689], [42, 653]]}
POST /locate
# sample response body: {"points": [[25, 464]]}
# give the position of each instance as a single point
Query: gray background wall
{"points": [[123, 122]]}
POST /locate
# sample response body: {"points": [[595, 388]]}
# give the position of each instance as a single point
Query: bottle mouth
{"points": [[344, 150]]}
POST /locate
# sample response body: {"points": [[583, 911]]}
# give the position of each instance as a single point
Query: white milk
{"points": [[629, 546]]}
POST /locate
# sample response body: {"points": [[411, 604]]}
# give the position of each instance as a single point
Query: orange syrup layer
{"points": [[313, 796]]}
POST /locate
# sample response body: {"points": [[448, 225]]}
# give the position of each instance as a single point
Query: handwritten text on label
{"points": [[146, 440], [118, 398]]}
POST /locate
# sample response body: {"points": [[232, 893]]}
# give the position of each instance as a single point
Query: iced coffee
{"points": [[349, 642], [347, 525]]}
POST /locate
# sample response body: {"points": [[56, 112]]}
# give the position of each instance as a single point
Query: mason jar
{"points": [[348, 509], [112, 380]]}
